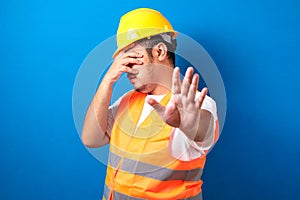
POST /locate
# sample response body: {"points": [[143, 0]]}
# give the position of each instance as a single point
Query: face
{"points": [[144, 80]]}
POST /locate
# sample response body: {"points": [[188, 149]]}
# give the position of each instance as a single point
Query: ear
{"points": [[160, 51]]}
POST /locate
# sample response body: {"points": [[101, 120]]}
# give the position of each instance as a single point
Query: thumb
{"points": [[160, 109]]}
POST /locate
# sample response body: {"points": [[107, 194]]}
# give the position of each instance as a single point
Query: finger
{"points": [[200, 99], [187, 81], [176, 81], [193, 88], [128, 70], [131, 61], [123, 51], [160, 109], [133, 55]]}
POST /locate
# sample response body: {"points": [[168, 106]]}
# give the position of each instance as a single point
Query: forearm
{"points": [[95, 123], [204, 129], [201, 128]]}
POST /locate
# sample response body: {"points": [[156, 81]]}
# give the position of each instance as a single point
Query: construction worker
{"points": [[160, 132]]}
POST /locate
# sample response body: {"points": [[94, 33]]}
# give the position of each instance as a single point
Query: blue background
{"points": [[255, 45]]}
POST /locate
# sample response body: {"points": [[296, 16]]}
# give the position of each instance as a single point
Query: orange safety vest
{"points": [[140, 165]]}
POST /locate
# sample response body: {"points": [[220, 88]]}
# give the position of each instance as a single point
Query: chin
{"points": [[142, 89]]}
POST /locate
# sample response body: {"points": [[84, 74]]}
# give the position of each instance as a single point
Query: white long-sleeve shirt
{"points": [[181, 147]]}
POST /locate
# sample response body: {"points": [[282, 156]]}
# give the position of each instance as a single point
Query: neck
{"points": [[160, 90], [162, 76]]}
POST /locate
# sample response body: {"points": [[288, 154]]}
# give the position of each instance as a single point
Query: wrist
{"points": [[190, 132], [106, 81]]}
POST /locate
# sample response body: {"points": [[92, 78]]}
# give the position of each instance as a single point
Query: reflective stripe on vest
{"points": [[140, 164], [155, 172], [119, 196]]}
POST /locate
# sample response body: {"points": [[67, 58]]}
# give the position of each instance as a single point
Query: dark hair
{"points": [[149, 43]]}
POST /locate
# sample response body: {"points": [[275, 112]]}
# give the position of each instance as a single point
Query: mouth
{"points": [[131, 78]]}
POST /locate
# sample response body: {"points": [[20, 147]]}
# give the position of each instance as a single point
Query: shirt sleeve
{"points": [[184, 148], [112, 111]]}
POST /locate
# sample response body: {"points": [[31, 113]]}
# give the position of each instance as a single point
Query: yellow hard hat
{"points": [[141, 23]]}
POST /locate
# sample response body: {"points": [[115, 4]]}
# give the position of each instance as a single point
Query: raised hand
{"points": [[183, 110], [122, 63]]}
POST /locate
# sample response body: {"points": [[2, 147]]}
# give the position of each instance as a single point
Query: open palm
{"points": [[183, 110]]}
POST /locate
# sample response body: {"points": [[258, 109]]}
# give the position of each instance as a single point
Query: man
{"points": [[160, 132]]}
